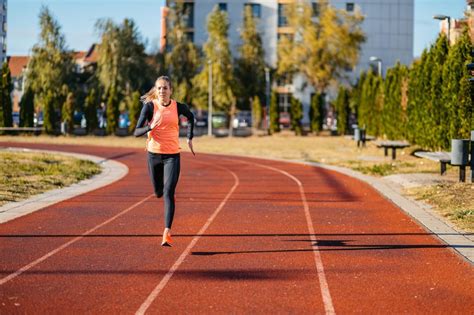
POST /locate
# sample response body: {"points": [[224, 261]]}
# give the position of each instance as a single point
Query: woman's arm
{"points": [[142, 126], [184, 110]]}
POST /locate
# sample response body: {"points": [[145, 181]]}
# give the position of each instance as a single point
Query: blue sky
{"points": [[77, 19]]}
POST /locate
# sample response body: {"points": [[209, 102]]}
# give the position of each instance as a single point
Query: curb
{"points": [[112, 171]]}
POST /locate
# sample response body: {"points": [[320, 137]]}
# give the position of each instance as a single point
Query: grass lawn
{"points": [[24, 174], [453, 203]]}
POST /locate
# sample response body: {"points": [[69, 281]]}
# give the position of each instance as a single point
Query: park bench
{"points": [[35, 130], [394, 145], [442, 157]]}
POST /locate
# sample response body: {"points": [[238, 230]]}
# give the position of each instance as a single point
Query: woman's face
{"points": [[163, 90]]}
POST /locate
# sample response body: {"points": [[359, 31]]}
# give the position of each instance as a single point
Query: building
{"points": [[388, 25], [3, 31]]}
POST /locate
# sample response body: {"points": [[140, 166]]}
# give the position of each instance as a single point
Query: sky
{"points": [[78, 17]]}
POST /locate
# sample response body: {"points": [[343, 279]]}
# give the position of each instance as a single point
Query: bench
{"points": [[442, 157], [394, 145], [35, 130]]}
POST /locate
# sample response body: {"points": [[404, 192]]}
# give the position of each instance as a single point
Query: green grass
{"points": [[24, 174]]}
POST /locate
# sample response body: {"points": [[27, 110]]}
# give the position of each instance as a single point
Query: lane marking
{"points": [[65, 245], [325, 293], [156, 291]]}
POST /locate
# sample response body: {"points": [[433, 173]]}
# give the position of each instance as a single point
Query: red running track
{"points": [[251, 236]]}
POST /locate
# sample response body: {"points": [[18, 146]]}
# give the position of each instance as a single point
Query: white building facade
{"points": [[3, 31], [388, 25]]}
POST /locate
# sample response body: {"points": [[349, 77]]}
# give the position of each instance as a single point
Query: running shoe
{"points": [[167, 241]]}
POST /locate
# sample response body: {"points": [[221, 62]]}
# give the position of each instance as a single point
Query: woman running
{"points": [[160, 119]]}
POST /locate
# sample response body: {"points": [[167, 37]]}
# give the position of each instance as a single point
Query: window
{"points": [[282, 19], [188, 14], [284, 100], [222, 6], [190, 36], [315, 7], [290, 37], [350, 7], [256, 9]]}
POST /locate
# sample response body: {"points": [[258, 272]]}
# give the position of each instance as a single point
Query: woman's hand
{"points": [[190, 145]]}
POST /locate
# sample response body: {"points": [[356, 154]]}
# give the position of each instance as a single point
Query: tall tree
{"points": [[134, 108], [6, 88], [392, 106], [50, 67], [322, 48], [218, 56], [67, 113], [274, 115], [112, 110], [250, 66], [342, 110], [183, 58], [316, 112], [296, 112], [27, 109], [91, 106]]}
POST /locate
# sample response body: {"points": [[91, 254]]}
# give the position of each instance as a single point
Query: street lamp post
{"points": [[209, 111], [442, 17], [267, 94], [379, 64]]}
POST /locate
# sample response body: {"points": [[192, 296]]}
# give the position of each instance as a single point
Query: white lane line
{"points": [[326, 295], [156, 291], [65, 245]]}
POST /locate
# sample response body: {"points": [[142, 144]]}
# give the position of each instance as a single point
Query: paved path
{"points": [[251, 236]]}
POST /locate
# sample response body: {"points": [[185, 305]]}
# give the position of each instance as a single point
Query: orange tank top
{"points": [[164, 138]]}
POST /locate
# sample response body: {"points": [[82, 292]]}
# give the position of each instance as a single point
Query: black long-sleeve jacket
{"points": [[146, 116]]}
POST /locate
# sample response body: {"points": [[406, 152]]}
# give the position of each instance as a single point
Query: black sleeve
{"points": [[184, 110], [142, 124]]}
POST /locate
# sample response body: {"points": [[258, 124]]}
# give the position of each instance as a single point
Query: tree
{"points": [[274, 114], [122, 59], [296, 112], [49, 103], [27, 109], [217, 52], [250, 66], [112, 110], [256, 112], [183, 58], [321, 49], [67, 113], [91, 106], [342, 110], [6, 88], [50, 67], [316, 112], [134, 108]]}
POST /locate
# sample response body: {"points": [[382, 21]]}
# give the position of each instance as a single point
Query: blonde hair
{"points": [[152, 93]]}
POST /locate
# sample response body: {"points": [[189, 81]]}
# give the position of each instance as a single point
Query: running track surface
{"points": [[251, 236]]}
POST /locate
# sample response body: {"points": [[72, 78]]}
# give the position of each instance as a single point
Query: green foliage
{"points": [[274, 114], [323, 48], [342, 110], [91, 106], [316, 112], [49, 115], [112, 111], [67, 112], [250, 67], [50, 67], [256, 112], [122, 60], [134, 108], [6, 87], [371, 103], [27, 109], [392, 110], [296, 112], [217, 51], [182, 59]]}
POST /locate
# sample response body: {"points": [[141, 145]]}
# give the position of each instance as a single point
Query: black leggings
{"points": [[164, 174]]}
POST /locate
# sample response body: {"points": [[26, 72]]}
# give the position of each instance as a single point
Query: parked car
{"points": [[124, 120], [219, 121], [243, 119], [16, 119], [284, 120]]}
